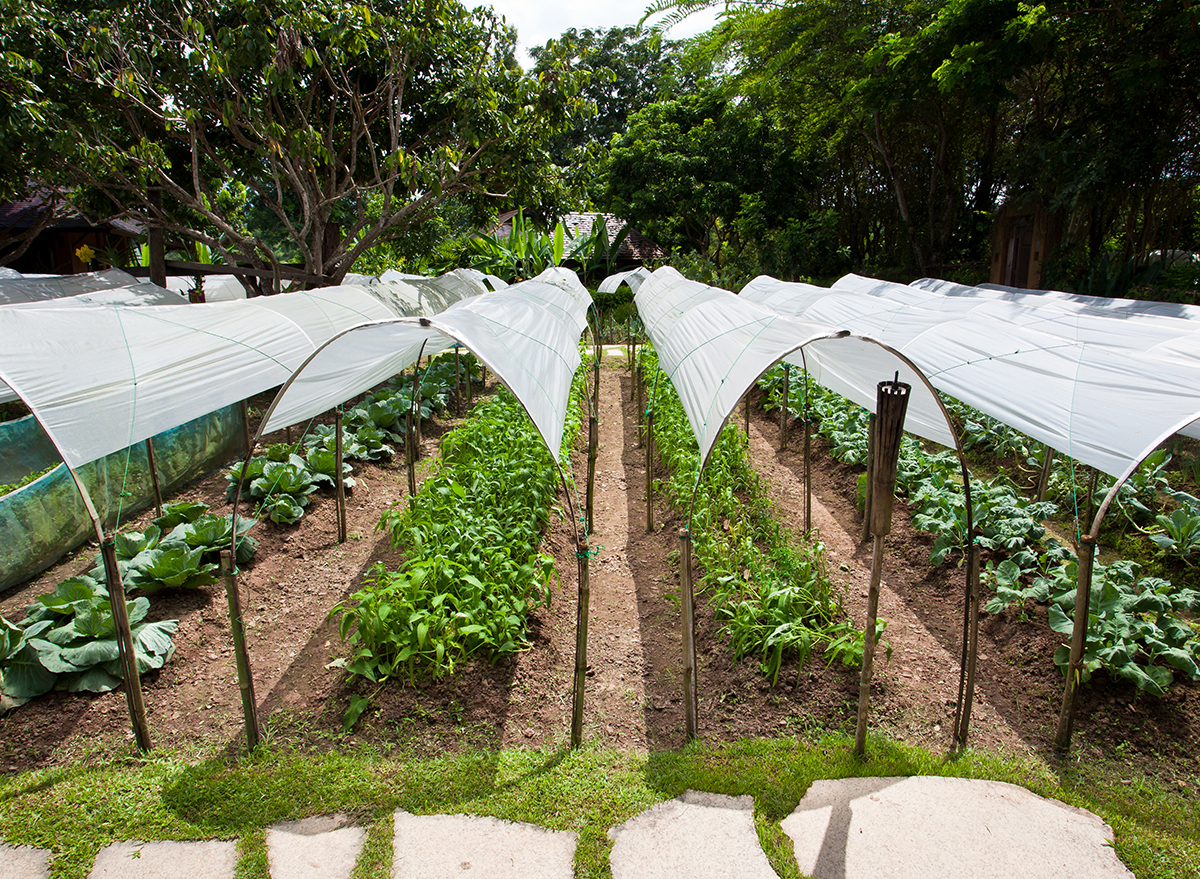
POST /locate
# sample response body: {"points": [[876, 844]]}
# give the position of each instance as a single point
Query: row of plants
{"points": [[283, 480], [1139, 627], [68, 638], [473, 569], [771, 596], [8, 487]]}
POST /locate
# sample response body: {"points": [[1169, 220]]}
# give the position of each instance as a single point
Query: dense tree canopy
{"points": [[349, 123]]}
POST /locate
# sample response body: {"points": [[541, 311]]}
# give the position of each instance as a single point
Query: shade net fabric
{"points": [[103, 377], [1102, 381]]}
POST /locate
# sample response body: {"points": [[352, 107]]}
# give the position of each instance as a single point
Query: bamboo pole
{"points": [[457, 379], [581, 637], [807, 477], [866, 529], [868, 660], [409, 454], [962, 723], [1044, 477], [246, 438], [649, 471], [153, 464], [746, 404], [339, 483], [470, 390], [416, 408], [785, 411], [689, 634], [891, 403], [241, 656], [125, 649], [641, 412], [593, 451], [1083, 591]]}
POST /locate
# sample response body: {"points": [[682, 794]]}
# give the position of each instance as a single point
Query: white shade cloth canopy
{"points": [[1103, 381], [100, 378]]}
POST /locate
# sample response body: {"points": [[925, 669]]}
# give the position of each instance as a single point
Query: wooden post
{"points": [[593, 451], [807, 477], [155, 241], [1044, 477], [746, 402], [470, 390], [154, 476], [125, 650], [247, 437], [339, 483], [1083, 592], [457, 380], [785, 415], [962, 722], [641, 411], [409, 454], [866, 529], [891, 403], [689, 634], [238, 630], [581, 633], [649, 471], [416, 408], [868, 660], [287, 434], [483, 376]]}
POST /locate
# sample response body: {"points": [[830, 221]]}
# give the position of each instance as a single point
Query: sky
{"points": [[537, 21]]}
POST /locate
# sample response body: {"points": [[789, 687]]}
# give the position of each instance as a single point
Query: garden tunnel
{"points": [[1105, 381], [714, 346], [103, 378]]}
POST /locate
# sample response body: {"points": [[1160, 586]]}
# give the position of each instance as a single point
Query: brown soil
{"points": [[633, 689]]}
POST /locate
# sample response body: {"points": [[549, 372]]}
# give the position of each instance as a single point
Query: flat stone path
{"points": [[906, 828]]}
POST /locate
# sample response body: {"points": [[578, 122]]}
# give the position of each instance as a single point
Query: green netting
{"points": [[24, 449], [46, 519]]}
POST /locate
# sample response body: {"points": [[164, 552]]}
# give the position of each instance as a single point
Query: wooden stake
{"points": [[241, 656], [868, 661], [1083, 594], [339, 483], [649, 472], [689, 634], [409, 455], [593, 451], [125, 650], [746, 402], [581, 637], [457, 379], [641, 410], [1044, 477], [416, 408], [247, 440], [807, 478], [785, 414], [962, 722], [866, 529], [158, 505]]}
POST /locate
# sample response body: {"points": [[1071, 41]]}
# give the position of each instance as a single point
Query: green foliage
{"points": [[473, 570], [772, 597], [7, 488]]}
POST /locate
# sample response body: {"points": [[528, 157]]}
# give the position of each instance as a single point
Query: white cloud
{"points": [[537, 21]]}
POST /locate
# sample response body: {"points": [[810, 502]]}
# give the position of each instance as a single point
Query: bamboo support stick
{"points": [[641, 411], [868, 660], [746, 405], [416, 408], [1083, 591], [153, 465], [339, 482], [1044, 477], [241, 656], [457, 379], [409, 454], [785, 412], [593, 451], [689, 634], [649, 472], [125, 649], [866, 529], [581, 637], [247, 440], [807, 477], [962, 723]]}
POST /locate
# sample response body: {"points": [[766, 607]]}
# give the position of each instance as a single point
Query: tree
{"points": [[349, 123]]}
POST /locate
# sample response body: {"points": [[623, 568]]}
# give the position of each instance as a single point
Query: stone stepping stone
{"points": [[923, 826], [24, 862], [324, 847], [698, 835], [205, 859], [461, 846]]}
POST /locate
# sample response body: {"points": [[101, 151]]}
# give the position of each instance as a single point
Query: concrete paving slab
{"points": [[323, 847], [457, 846], [207, 859], [698, 835], [918, 827], [24, 862]]}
